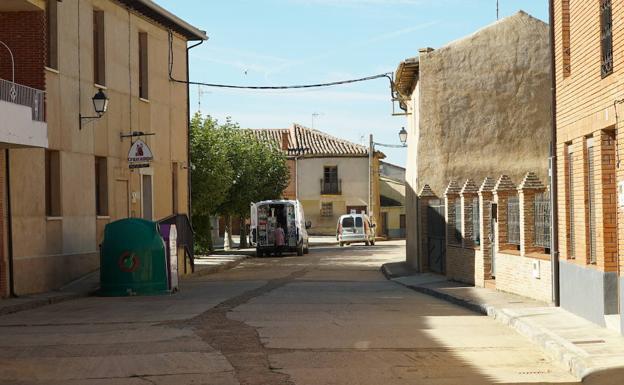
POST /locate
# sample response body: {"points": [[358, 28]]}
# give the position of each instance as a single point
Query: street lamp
{"points": [[100, 105], [403, 136], [371, 152]]}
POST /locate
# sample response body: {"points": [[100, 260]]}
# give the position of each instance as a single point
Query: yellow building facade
{"points": [[62, 196]]}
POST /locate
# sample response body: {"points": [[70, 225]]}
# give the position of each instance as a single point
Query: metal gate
{"points": [[436, 236]]}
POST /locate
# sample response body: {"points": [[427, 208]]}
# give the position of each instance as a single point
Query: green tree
{"points": [[211, 175]]}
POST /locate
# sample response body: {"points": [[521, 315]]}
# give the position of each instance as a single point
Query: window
{"points": [[174, 186], [402, 221], [52, 34], [53, 183], [143, 66], [606, 38], [327, 209], [591, 200], [513, 220], [101, 186], [330, 182], [541, 218], [565, 36], [476, 225], [458, 221], [99, 49], [570, 186], [348, 222], [359, 222]]}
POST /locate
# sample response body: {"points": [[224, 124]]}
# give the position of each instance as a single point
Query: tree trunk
{"points": [[209, 236], [227, 241], [242, 243]]}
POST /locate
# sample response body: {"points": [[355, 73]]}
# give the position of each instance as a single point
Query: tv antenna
{"points": [[200, 92], [314, 116]]}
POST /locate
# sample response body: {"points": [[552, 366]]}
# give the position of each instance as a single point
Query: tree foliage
{"points": [[231, 169]]}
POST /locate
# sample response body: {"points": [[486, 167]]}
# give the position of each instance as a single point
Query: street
{"points": [[326, 318]]}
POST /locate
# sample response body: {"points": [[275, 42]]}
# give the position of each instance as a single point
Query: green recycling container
{"points": [[133, 259]]}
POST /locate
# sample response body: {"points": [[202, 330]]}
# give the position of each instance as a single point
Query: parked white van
{"points": [[266, 215], [355, 228]]}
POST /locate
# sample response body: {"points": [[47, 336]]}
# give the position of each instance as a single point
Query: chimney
{"points": [[285, 141]]}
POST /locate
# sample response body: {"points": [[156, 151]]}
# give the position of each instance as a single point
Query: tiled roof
{"points": [[308, 141]]}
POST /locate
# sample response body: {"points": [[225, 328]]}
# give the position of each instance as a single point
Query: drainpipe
{"points": [[188, 136], [7, 164], [554, 223]]}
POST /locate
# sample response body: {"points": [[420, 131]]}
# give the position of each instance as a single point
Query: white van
{"points": [[355, 228], [266, 215]]}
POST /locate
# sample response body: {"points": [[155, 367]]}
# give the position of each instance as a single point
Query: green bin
{"points": [[133, 259]]}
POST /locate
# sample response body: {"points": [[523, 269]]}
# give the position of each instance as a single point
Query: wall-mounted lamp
{"points": [[100, 105], [403, 136]]}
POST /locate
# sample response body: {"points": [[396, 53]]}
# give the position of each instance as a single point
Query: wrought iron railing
{"points": [[185, 235], [25, 96], [333, 187], [513, 221], [542, 220]]}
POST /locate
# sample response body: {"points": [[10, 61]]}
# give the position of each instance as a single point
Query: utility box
{"points": [[133, 259], [170, 236]]}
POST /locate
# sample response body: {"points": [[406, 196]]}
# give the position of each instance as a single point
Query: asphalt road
{"points": [[326, 318]]}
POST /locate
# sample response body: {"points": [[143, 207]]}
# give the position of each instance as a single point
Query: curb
{"points": [[555, 346], [40, 302]]}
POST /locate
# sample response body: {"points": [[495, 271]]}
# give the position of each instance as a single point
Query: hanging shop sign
{"points": [[140, 155]]}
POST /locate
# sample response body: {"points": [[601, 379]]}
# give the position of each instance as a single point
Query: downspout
{"points": [[188, 136], [554, 223], [9, 223]]}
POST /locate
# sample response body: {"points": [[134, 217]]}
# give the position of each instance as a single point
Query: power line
{"points": [[387, 75]]}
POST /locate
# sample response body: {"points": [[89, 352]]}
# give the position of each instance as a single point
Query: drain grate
{"points": [[534, 372]]}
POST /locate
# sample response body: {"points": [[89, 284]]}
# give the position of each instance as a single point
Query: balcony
{"points": [[22, 110], [331, 187]]}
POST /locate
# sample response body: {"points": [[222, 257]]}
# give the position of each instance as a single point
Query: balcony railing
{"points": [[25, 96], [332, 188]]}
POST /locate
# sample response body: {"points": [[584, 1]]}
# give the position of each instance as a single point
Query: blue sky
{"points": [[283, 42]]}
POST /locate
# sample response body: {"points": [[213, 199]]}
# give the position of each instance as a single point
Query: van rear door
{"points": [[359, 225]]}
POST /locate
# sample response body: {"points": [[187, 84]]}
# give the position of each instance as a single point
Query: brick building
{"points": [[64, 178], [588, 63], [479, 119], [329, 175]]}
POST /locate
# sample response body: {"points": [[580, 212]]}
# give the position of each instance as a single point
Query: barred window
{"points": [[513, 221], [458, 221], [476, 226], [570, 185], [591, 194], [565, 36], [542, 220], [606, 38], [327, 209]]}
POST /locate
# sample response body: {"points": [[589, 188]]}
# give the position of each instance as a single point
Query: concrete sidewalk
{"points": [[587, 350]]}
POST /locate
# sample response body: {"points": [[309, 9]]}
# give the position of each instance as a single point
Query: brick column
{"points": [[530, 186], [451, 195], [483, 267], [502, 190], [467, 194], [425, 196]]}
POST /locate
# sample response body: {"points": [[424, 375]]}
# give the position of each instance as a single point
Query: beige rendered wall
{"points": [[354, 175], [485, 105], [51, 251], [412, 229]]}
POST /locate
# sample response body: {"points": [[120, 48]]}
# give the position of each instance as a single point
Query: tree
{"points": [[211, 175], [230, 170]]}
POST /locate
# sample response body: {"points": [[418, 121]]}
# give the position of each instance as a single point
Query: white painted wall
{"points": [[18, 128]]}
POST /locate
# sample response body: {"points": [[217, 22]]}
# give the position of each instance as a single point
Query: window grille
{"points": [[606, 38], [327, 209], [591, 196], [513, 221], [571, 247], [458, 221], [476, 226], [542, 220], [565, 36]]}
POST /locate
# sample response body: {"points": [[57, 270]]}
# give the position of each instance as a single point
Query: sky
{"points": [[286, 42]]}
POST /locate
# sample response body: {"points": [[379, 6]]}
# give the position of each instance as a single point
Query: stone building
{"points": [[590, 179], [479, 119], [330, 176], [64, 178]]}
